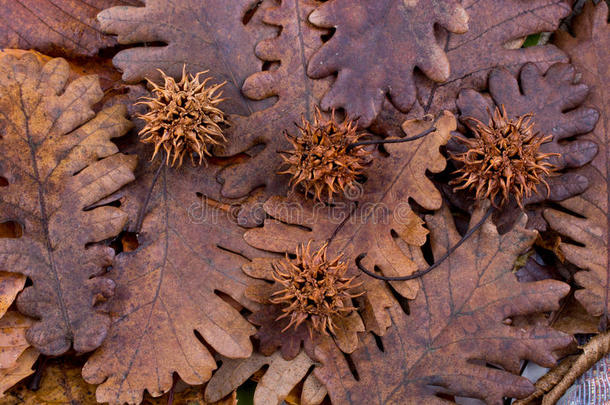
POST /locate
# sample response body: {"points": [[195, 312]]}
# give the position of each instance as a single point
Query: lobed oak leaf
{"points": [[556, 104], [169, 310], [62, 383], [456, 325], [297, 96], [214, 35], [488, 44], [379, 225], [374, 52], [589, 227], [13, 343], [56, 27], [58, 160], [274, 386]]}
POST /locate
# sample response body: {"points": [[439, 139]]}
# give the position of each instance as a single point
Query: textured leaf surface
{"points": [[21, 369], [589, 53], [297, 95], [556, 103], [456, 325], [203, 35], [374, 51], [58, 159], [279, 379], [168, 296], [57, 27], [378, 225]]}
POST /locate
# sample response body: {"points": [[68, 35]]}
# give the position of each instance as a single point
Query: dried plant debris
{"points": [[379, 225], [383, 58], [323, 157], [457, 325], [209, 35], [184, 118], [588, 229], [504, 159], [58, 160]]}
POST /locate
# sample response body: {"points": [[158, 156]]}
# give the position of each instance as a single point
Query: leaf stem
{"points": [[399, 140], [420, 273]]}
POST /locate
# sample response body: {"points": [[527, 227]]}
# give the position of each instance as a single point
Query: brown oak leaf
{"points": [[297, 96], [589, 229], [169, 312], [215, 35], [378, 225], [556, 104], [62, 383], [58, 160], [376, 47], [492, 28], [456, 325], [56, 27], [277, 382]]}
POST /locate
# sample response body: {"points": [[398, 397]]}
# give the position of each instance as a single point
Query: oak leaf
{"points": [[380, 222], [58, 160], [56, 27], [589, 53], [297, 96], [169, 311], [277, 382], [556, 104], [492, 29], [374, 52], [216, 35], [456, 325]]}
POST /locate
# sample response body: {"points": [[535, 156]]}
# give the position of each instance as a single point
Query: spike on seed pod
{"points": [[321, 158], [184, 118], [314, 289], [503, 159]]}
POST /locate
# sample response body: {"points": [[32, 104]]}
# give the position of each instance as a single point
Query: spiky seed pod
{"points": [[314, 289], [503, 159], [183, 118], [321, 158]]}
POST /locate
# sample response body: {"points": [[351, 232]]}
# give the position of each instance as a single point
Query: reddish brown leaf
{"points": [[380, 225], [214, 35], [456, 325], [556, 104], [169, 316], [297, 96], [374, 51], [589, 53], [56, 27], [59, 160], [493, 27]]}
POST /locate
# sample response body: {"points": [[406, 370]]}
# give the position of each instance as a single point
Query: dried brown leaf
{"points": [[493, 25], [58, 159], [13, 327], [589, 53], [374, 53], [169, 314], [456, 325], [56, 27], [216, 35], [276, 383], [11, 376], [378, 225], [548, 381]]}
